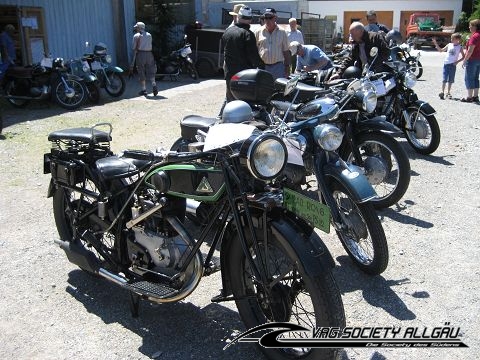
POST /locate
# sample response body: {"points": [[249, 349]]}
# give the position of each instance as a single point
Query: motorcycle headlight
{"points": [[108, 58], [410, 80], [328, 136], [369, 102], [266, 157]]}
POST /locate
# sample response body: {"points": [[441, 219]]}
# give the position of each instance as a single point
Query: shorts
{"points": [[145, 65], [472, 72], [449, 73]]}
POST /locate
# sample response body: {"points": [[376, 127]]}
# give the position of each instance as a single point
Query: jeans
{"points": [[449, 73], [472, 72]]}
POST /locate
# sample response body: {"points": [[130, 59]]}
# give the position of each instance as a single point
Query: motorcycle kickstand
{"points": [[134, 304]]}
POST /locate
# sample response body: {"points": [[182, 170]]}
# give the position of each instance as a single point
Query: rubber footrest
{"points": [[152, 289]]}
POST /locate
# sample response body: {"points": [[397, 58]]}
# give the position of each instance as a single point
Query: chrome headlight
{"points": [[266, 156], [108, 58], [328, 136], [369, 101], [410, 80]]}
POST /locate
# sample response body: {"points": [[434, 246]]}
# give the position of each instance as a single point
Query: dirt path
{"points": [[51, 310]]}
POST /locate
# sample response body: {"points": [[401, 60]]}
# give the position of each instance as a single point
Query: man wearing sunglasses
{"points": [[273, 46]]}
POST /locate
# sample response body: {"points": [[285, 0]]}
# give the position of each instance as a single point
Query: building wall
{"points": [[339, 7], [70, 23]]}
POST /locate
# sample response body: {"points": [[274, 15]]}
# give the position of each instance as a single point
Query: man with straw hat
{"points": [[234, 13]]}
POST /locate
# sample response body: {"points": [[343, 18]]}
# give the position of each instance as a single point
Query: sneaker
{"points": [[143, 92], [475, 99], [441, 96], [468, 99], [449, 96], [155, 90]]}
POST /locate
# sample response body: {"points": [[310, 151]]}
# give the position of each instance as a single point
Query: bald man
{"points": [[362, 42]]}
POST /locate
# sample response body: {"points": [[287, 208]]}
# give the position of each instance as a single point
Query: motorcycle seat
{"points": [[306, 92], [84, 135], [190, 124], [114, 167], [283, 105], [20, 72]]}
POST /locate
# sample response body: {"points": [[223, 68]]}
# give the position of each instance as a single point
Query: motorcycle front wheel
{"points": [[386, 166], [10, 90], [114, 84], [71, 98], [361, 232], [192, 71], [423, 133], [414, 66], [291, 295]]}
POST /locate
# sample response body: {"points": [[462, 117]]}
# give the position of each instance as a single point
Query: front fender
{"points": [[112, 68], [90, 78], [378, 123], [353, 179], [424, 107]]}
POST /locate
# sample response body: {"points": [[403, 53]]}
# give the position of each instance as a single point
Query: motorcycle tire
{"points": [[93, 92], [386, 166], [415, 66], [192, 71], [66, 101], [10, 91], [66, 204], [425, 134], [297, 296], [115, 84], [362, 234]]}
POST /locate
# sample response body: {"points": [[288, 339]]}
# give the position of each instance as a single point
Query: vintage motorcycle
{"points": [[109, 77], [45, 80], [178, 62], [341, 186], [122, 217], [400, 104], [80, 68]]}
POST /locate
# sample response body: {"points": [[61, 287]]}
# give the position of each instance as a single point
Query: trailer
{"points": [[207, 50]]}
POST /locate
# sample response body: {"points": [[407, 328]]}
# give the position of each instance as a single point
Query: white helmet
{"points": [[237, 111]]}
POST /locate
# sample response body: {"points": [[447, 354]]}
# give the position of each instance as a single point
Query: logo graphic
{"points": [[287, 335], [204, 186]]}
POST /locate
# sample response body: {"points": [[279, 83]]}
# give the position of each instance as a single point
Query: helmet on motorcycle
{"points": [[237, 111], [393, 37], [352, 72], [100, 49]]}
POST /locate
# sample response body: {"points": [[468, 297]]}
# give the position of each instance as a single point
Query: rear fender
{"points": [[51, 189], [114, 69], [353, 179]]}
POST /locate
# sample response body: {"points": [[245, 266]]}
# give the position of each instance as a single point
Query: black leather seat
{"points": [[86, 135], [191, 123], [114, 167]]}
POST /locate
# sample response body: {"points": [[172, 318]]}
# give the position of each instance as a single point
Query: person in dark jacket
{"points": [[362, 42], [240, 48]]}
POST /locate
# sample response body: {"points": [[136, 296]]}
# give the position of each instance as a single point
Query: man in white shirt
{"points": [[142, 49], [294, 34]]}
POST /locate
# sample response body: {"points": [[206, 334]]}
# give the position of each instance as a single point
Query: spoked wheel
{"points": [[361, 232], [69, 98], [70, 211], [386, 166], [424, 135], [115, 84], [415, 66], [291, 295], [11, 90]]}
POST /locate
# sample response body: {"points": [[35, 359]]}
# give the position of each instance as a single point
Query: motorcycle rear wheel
{"points": [[115, 84], [9, 91], [389, 169], [63, 99], [425, 136], [295, 296], [68, 210], [362, 234]]}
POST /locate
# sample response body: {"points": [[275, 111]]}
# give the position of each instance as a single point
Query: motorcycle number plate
{"points": [[314, 212], [96, 65], [379, 87]]}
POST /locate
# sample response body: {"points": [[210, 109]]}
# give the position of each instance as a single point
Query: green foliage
{"points": [[462, 24], [160, 26], [476, 10]]}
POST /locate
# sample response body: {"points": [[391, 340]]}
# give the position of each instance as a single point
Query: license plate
{"points": [[96, 65], [314, 212]]}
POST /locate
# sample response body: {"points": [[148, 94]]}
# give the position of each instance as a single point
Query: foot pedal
{"points": [[146, 288]]}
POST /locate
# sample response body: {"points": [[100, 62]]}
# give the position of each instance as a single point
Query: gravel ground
{"points": [[51, 310]]}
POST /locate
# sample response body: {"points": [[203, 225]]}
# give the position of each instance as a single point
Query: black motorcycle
{"points": [[45, 80], [81, 68], [178, 62], [122, 217]]}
